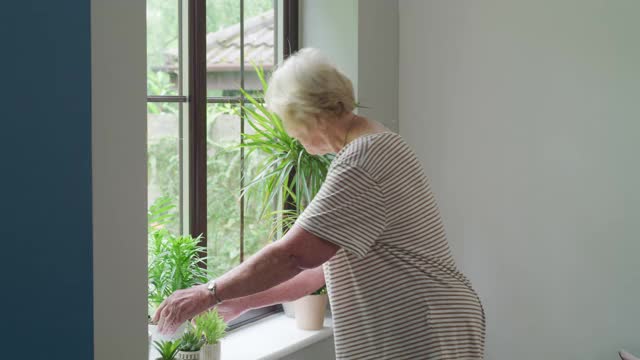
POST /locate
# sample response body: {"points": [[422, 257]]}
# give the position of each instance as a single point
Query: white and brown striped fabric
{"points": [[394, 289]]}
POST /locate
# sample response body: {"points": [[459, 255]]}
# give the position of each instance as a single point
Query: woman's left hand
{"points": [[181, 306]]}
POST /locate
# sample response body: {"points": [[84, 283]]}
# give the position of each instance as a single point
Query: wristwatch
{"points": [[211, 286]]}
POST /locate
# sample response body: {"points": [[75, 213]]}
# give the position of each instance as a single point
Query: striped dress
{"points": [[394, 289]]}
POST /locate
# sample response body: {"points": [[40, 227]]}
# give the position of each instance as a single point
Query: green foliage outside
{"points": [[222, 13], [223, 201]]}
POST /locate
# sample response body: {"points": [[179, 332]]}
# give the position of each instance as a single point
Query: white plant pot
{"points": [[210, 352], [188, 355], [310, 311], [289, 309], [177, 335]]}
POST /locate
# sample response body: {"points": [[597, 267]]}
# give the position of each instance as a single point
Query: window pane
{"points": [[223, 47], [162, 47], [223, 42], [223, 193], [223, 187], [163, 147], [259, 49], [258, 226]]}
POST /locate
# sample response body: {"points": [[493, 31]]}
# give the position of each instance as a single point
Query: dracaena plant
{"points": [[174, 264], [175, 261], [287, 172]]}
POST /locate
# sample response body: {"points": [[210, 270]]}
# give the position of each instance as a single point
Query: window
{"points": [[200, 54]]}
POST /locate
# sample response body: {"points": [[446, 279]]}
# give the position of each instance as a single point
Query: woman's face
{"points": [[309, 134]]}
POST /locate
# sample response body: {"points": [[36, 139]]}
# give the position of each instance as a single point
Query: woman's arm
{"points": [[276, 263], [300, 285]]}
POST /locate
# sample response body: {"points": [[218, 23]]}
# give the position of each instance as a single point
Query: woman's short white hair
{"points": [[308, 84]]}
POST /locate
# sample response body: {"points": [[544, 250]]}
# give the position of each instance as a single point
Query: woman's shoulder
{"points": [[359, 146], [367, 151]]}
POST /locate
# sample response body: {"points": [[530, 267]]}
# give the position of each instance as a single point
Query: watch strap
{"points": [[212, 288]]}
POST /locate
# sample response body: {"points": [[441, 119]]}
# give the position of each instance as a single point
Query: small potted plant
{"points": [[167, 349], [211, 327], [191, 343], [310, 310]]}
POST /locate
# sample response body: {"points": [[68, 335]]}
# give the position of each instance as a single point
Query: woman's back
{"points": [[394, 288]]}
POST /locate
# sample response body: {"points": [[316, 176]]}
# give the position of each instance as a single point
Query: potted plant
{"points": [[310, 310], [211, 328], [288, 176], [190, 345], [167, 349], [175, 263]]}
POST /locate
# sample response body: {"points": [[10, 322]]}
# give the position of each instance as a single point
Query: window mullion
{"points": [[197, 74], [242, 115], [290, 27], [183, 129]]}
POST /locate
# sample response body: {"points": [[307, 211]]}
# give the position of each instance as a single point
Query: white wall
{"points": [[378, 60], [118, 35], [361, 38], [525, 115], [332, 27]]}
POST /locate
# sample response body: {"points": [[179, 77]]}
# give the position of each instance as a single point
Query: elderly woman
{"points": [[373, 234]]}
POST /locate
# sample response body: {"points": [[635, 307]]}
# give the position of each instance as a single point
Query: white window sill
{"points": [[270, 338]]}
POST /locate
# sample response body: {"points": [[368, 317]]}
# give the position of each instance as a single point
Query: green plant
{"points": [[210, 326], [175, 263], [191, 341], [162, 214], [164, 175], [167, 349], [287, 173], [321, 291]]}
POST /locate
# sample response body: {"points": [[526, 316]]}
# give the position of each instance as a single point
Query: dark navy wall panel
{"points": [[45, 210]]}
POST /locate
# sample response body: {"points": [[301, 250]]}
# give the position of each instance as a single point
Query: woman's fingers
{"points": [[180, 306], [156, 316], [165, 318], [171, 327]]}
